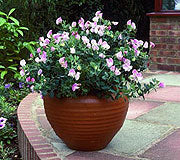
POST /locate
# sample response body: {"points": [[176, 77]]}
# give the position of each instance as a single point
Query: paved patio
{"points": [[151, 130]]}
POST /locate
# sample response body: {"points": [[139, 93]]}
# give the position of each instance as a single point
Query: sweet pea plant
{"points": [[88, 58]]}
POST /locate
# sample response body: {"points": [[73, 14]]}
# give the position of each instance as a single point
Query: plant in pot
{"points": [[86, 73]]}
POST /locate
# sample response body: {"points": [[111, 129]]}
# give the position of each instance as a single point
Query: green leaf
{"points": [[20, 32], [23, 28], [2, 47], [2, 66], [2, 21], [29, 47], [14, 20], [3, 73], [2, 13], [13, 68], [11, 11]]}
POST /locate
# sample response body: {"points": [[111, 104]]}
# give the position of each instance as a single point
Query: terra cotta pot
{"points": [[86, 123]]}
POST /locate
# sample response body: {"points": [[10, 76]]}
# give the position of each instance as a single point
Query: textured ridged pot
{"points": [[86, 123]]}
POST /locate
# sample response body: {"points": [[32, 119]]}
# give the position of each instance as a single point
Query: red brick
{"points": [[48, 155], [47, 150], [165, 26], [152, 33], [42, 141], [35, 138], [153, 53], [174, 33], [32, 134], [154, 26], [177, 68], [173, 61], [40, 146], [166, 67], [154, 39], [160, 46], [158, 19], [161, 33], [167, 40], [174, 47], [167, 53]]}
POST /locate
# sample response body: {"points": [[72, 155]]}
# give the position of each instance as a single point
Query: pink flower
{"points": [[32, 80], [112, 68], [100, 42], [22, 62], [109, 28], [119, 55], [62, 62], [105, 45], [31, 55], [117, 72], [132, 24], [126, 66], [102, 55], [38, 50], [22, 73], [161, 85], [129, 22], [28, 79], [152, 44], [85, 39], [52, 49], [98, 14], [137, 75], [49, 34], [72, 73], [41, 39], [59, 20], [120, 36], [75, 86], [73, 24], [46, 41], [39, 71], [43, 57], [77, 36], [109, 62]]}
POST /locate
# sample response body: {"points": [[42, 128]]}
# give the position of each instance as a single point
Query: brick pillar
{"points": [[165, 33]]}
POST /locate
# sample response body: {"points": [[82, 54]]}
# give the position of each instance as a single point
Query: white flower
{"points": [[77, 76], [72, 50], [22, 62], [115, 23]]}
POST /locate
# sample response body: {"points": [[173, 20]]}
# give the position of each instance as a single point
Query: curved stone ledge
{"points": [[33, 144]]}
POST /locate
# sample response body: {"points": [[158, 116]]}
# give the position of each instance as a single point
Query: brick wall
{"points": [[165, 33]]}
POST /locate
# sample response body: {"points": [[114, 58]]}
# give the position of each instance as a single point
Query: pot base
{"points": [[86, 123]]}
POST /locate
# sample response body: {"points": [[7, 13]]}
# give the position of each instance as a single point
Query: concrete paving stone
{"points": [[167, 94], [95, 156], [168, 79], [62, 149], [168, 114], [167, 149], [135, 137], [139, 107]]}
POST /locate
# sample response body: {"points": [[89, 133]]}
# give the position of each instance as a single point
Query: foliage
{"points": [[89, 58], [11, 45], [39, 15], [10, 96]]}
